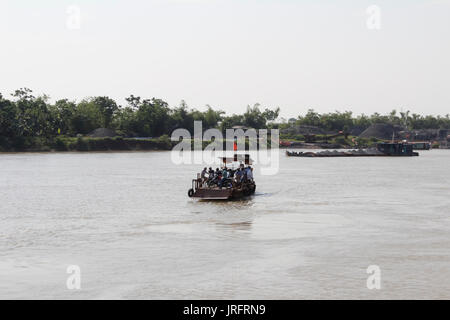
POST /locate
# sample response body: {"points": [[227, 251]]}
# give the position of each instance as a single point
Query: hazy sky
{"points": [[228, 53]]}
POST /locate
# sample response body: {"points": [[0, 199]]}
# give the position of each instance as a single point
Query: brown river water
{"points": [[309, 232]]}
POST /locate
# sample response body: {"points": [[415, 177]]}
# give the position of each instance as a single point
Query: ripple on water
{"points": [[295, 226]]}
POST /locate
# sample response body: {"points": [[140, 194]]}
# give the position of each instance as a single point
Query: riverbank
{"points": [[163, 143], [34, 144], [89, 144]]}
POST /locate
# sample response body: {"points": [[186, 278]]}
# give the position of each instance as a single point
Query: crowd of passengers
{"points": [[226, 177]]}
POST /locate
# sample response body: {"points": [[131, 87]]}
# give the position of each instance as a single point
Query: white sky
{"points": [[228, 53]]}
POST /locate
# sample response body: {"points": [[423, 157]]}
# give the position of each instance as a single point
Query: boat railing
{"points": [[196, 184]]}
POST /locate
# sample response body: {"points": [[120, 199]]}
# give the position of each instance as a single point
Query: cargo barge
{"points": [[381, 150]]}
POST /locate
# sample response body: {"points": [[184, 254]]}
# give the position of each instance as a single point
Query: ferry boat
{"points": [[231, 188]]}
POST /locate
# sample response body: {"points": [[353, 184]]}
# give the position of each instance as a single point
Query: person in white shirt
{"points": [[203, 175], [249, 172]]}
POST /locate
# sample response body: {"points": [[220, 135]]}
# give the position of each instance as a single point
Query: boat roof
{"points": [[240, 158]]}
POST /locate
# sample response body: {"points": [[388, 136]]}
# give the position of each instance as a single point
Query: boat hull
{"points": [[223, 194]]}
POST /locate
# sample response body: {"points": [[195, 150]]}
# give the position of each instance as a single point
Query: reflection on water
{"points": [[240, 226], [310, 231]]}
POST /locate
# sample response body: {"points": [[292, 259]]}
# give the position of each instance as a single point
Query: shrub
{"points": [[82, 144], [341, 140], [60, 144]]}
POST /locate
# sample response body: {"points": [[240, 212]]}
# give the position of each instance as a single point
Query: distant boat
{"points": [[396, 149], [421, 145], [382, 150]]}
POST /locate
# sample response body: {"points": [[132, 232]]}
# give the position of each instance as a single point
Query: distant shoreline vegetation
{"points": [[29, 123]]}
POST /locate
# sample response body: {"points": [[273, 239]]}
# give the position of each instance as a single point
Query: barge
{"points": [[381, 150]]}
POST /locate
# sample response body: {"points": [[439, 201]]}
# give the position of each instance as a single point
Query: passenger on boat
{"points": [[238, 175], [203, 175], [212, 178], [249, 172], [225, 176], [218, 176]]}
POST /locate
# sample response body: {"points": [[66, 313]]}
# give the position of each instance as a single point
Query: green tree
{"points": [[107, 107], [231, 121], [125, 121], [152, 117], [8, 118], [63, 111], [34, 117], [311, 118], [212, 117], [182, 117], [87, 117]]}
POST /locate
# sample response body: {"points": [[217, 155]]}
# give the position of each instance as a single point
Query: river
{"points": [[310, 231]]}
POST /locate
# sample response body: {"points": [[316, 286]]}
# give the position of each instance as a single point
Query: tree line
{"points": [[336, 121], [24, 115], [30, 116]]}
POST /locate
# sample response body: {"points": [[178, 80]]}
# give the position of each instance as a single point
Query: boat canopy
{"points": [[245, 158]]}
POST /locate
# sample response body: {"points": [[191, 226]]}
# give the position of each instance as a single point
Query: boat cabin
{"points": [[396, 149]]}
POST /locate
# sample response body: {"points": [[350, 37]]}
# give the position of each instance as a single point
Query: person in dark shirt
{"points": [[238, 175]]}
